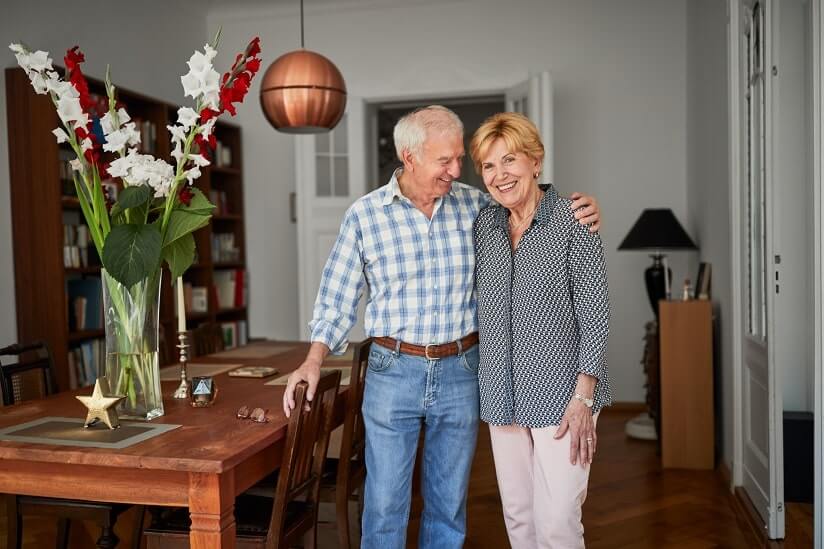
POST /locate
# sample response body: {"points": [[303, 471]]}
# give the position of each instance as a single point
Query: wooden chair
{"points": [[31, 376], [287, 512], [208, 339], [343, 478]]}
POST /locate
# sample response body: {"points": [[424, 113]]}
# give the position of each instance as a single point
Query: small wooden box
{"points": [[687, 411]]}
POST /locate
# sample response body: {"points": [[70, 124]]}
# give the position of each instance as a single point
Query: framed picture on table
{"points": [[703, 284]]}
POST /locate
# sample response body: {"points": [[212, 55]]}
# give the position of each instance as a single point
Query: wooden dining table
{"points": [[203, 464]]}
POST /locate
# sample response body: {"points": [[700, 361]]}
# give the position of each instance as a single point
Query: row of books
{"points": [[224, 248], [234, 333], [222, 155], [85, 299], [231, 288], [85, 361], [195, 298], [76, 245], [218, 198]]}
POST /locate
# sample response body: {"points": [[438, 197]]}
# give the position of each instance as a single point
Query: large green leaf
{"points": [[135, 195], [199, 204], [182, 223], [132, 252], [179, 255]]}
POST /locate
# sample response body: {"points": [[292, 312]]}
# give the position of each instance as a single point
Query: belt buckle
{"points": [[426, 352]]}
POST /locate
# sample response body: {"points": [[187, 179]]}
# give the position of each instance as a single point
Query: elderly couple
{"points": [[479, 310]]}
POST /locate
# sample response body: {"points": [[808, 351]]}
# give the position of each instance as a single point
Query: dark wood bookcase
{"points": [[41, 206]]}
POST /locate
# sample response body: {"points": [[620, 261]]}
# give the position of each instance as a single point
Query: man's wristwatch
{"points": [[588, 402]]}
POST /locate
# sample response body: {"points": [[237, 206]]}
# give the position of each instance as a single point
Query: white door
{"points": [[331, 175], [762, 411], [533, 98]]}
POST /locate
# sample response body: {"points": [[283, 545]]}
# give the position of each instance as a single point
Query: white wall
{"points": [[620, 75], [146, 43], [707, 182]]}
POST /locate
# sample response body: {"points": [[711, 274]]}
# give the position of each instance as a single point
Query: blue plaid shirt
{"points": [[419, 272]]}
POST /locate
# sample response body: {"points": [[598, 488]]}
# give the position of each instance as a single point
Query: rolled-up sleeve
{"points": [[341, 286], [590, 298]]}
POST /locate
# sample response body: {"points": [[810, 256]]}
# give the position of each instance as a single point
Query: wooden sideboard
{"points": [[686, 377]]}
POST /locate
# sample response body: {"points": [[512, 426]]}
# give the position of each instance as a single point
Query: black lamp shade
{"points": [[657, 229]]}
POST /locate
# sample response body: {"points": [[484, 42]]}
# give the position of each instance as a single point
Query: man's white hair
{"points": [[411, 130]]}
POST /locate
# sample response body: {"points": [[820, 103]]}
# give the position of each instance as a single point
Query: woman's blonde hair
{"points": [[517, 131]]}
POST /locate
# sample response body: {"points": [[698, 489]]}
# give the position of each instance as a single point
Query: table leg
{"points": [[212, 510]]}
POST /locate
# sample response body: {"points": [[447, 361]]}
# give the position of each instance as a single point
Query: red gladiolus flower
{"points": [[235, 83], [185, 195]]}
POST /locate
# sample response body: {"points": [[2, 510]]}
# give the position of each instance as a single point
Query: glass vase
{"points": [[132, 368]]}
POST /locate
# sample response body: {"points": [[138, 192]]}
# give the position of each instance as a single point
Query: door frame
{"points": [[734, 120], [818, 262]]}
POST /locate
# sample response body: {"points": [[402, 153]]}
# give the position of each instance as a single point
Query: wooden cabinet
{"points": [[43, 207], [686, 377]]}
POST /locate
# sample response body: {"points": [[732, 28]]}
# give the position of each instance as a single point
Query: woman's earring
{"points": [[535, 175]]}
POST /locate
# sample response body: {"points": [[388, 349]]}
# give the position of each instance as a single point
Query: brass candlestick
{"points": [[183, 389]]}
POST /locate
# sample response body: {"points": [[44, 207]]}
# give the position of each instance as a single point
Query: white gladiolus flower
{"points": [[177, 152], [61, 135], [76, 165], [120, 166], [192, 174], [202, 81], [116, 140], [187, 117], [16, 48], [178, 133], [199, 160], [86, 145], [69, 110], [40, 61]]}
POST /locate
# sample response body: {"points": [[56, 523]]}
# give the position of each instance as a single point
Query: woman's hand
{"points": [[587, 211], [582, 439], [578, 421]]}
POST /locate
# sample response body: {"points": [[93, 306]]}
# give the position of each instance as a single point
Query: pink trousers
{"points": [[541, 491]]}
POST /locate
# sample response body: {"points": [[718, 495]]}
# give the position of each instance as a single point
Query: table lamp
{"points": [[657, 230]]}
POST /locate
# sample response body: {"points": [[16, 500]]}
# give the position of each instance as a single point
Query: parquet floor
{"points": [[632, 503]]}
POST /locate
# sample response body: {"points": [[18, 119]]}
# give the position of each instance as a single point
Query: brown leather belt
{"points": [[431, 352]]}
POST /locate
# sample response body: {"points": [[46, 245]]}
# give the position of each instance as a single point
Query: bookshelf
{"points": [[49, 255]]}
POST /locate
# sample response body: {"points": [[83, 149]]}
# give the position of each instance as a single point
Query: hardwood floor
{"points": [[632, 502]]}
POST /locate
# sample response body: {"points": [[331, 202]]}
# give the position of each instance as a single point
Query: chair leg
{"points": [[107, 539], [310, 538], [14, 522], [137, 534], [63, 530], [342, 508]]}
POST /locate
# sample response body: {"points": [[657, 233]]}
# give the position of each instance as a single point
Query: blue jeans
{"points": [[402, 393]]}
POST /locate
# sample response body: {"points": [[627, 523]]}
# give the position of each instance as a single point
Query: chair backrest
{"points": [[208, 339], [352, 464], [29, 375], [307, 440]]}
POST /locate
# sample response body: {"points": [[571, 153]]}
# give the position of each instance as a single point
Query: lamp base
{"points": [[641, 427], [655, 281]]}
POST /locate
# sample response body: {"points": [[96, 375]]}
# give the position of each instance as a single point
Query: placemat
{"points": [[256, 350], [69, 431], [195, 369], [345, 374]]}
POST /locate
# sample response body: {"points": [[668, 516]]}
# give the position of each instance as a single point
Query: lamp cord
{"points": [[301, 25]]}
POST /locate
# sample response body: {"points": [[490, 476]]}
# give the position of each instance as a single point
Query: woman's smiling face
{"points": [[509, 176]]}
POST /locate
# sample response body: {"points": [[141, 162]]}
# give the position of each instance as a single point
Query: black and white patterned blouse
{"points": [[543, 314]]}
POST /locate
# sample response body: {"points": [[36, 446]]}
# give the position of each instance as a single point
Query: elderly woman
{"points": [[543, 314]]}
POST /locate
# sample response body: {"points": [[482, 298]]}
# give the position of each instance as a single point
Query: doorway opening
{"points": [[471, 110]]}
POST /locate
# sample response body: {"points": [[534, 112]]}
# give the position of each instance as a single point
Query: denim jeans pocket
{"points": [[380, 360], [470, 360]]}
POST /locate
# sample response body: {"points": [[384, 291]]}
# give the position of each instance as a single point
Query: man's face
{"points": [[439, 163]]}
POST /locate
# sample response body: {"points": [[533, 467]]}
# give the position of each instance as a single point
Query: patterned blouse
{"points": [[543, 314]]}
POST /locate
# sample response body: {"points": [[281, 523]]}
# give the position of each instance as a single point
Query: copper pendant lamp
{"points": [[303, 91]]}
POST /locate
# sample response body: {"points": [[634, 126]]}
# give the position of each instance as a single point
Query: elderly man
{"points": [[409, 245]]}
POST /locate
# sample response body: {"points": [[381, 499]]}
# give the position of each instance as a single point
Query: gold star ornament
{"points": [[100, 405]]}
